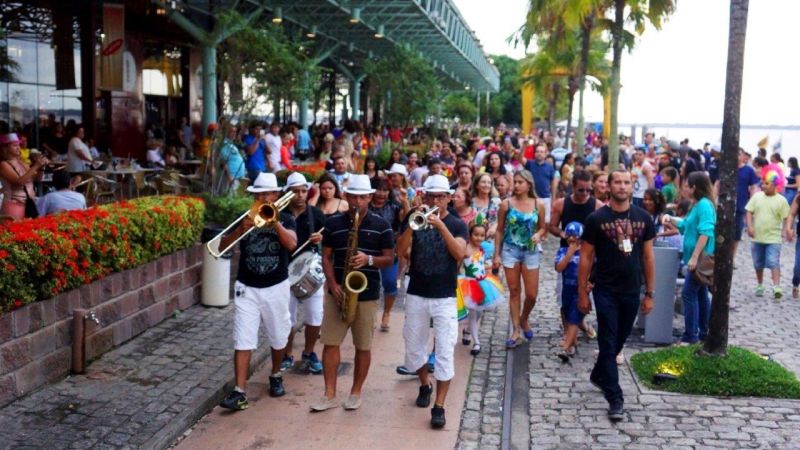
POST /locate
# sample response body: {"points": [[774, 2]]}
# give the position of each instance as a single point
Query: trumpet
{"points": [[418, 220], [263, 214]]}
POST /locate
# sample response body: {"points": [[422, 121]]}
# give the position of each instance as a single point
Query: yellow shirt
{"points": [[769, 212], [25, 155]]}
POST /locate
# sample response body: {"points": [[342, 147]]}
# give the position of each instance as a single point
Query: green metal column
{"points": [[355, 97], [209, 84]]}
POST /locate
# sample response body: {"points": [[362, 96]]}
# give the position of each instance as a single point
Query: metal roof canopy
{"points": [[435, 28]]}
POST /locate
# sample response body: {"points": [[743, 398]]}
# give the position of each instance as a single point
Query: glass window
{"points": [[72, 108], [51, 101], [47, 64], [23, 53], [4, 108], [22, 99]]}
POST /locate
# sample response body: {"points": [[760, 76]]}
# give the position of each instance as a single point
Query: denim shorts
{"points": [[513, 254], [766, 256]]}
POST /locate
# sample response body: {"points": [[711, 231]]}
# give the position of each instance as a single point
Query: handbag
{"points": [[704, 272]]}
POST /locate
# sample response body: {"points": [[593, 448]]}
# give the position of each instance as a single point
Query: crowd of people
{"points": [[460, 218]]}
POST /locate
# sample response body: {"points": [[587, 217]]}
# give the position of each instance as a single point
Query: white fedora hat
{"points": [[437, 183], [296, 179], [397, 168], [358, 185], [265, 182]]}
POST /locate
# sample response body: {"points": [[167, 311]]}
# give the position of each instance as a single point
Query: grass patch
{"points": [[740, 373]]}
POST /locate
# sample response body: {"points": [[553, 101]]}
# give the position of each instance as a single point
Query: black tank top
{"points": [[573, 212]]}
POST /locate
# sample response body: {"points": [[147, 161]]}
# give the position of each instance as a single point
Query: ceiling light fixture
{"points": [[312, 33], [380, 32], [278, 15], [355, 17]]}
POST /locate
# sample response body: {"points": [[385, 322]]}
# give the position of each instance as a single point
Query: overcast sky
{"points": [[677, 74]]}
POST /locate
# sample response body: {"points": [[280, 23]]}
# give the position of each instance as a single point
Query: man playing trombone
{"points": [[262, 286]]}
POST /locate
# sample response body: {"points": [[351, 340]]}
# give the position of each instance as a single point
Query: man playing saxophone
{"points": [[366, 246]]}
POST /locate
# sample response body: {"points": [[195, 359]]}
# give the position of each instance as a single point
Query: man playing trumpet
{"points": [[437, 241], [262, 290], [369, 245]]}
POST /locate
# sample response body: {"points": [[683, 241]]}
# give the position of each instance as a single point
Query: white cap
{"points": [[265, 182], [437, 183], [358, 185]]}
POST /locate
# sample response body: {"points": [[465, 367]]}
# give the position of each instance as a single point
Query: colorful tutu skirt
{"points": [[463, 312], [481, 295]]}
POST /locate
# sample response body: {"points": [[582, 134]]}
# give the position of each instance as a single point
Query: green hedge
{"points": [[43, 257]]}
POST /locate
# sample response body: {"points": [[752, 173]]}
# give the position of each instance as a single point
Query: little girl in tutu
{"points": [[480, 290]]}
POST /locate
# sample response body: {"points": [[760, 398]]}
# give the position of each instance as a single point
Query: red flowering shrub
{"points": [[39, 258]]}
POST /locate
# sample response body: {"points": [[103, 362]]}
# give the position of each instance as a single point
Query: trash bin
{"points": [[216, 273]]}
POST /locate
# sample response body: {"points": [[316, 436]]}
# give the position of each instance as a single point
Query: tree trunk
{"points": [[571, 92], [586, 33], [616, 67], [717, 340], [551, 109]]}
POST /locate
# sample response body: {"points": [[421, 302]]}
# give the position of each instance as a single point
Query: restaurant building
{"points": [[115, 67]]}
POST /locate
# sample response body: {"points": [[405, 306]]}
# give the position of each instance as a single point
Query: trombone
{"points": [[263, 214], [418, 220]]}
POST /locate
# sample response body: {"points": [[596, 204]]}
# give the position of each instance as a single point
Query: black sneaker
{"points": [[615, 411], [437, 417], [235, 400], [424, 397], [276, 386]]}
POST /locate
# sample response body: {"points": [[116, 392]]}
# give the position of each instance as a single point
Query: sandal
{"points": [[465, 340], [385, 323], [589, 332], [528, 334], [513, 343]]}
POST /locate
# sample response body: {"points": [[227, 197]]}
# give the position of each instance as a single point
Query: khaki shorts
{"points": [[334, 329]]}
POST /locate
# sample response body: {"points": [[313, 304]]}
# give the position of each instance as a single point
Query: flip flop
{"points": [[513, 343]]}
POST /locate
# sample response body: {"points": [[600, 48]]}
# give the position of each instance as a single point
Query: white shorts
{"points": [[312, 308], [416, 331], [254, 306], [548, 203]]}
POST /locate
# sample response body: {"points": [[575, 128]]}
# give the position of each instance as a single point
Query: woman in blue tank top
{"points": [[520, 228]]}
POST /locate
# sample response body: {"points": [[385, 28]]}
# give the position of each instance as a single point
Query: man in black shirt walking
{"points": [[375, 251], [261, 291], [621, 236], [436, 252]]}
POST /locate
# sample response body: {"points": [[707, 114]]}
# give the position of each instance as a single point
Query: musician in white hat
{"points": [[309, 221], [436, 251], [373, 251], [261, 292]]}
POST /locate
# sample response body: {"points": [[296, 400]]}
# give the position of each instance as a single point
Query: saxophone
{"points": [[355, 282]]}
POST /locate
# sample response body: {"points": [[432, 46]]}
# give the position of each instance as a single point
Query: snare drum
{"points": [[306, 275]]}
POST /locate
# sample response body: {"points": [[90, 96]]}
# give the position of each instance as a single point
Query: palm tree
{"points": [[717, 340], [638, 13]]}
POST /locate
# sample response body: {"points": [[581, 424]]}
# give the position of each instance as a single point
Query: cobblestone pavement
{"points": [[566, 411], [143, 394]]}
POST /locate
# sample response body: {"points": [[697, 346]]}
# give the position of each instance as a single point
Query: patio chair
{"points": [[142, 185], [101, 190]]}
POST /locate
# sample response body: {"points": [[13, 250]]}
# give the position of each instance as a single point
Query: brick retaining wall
{"points": [[36, 340]]}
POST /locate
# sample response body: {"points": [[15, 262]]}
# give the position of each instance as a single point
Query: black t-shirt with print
{"points": [[374, 235], [264, 261], [433, 271], [305, 227], [606, 229]]}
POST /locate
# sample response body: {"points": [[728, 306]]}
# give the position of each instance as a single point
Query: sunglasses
{"points": [[435, 196]]}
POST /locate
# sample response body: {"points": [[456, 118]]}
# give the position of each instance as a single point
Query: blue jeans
{"points": [[696, 310], [615, 316]]}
